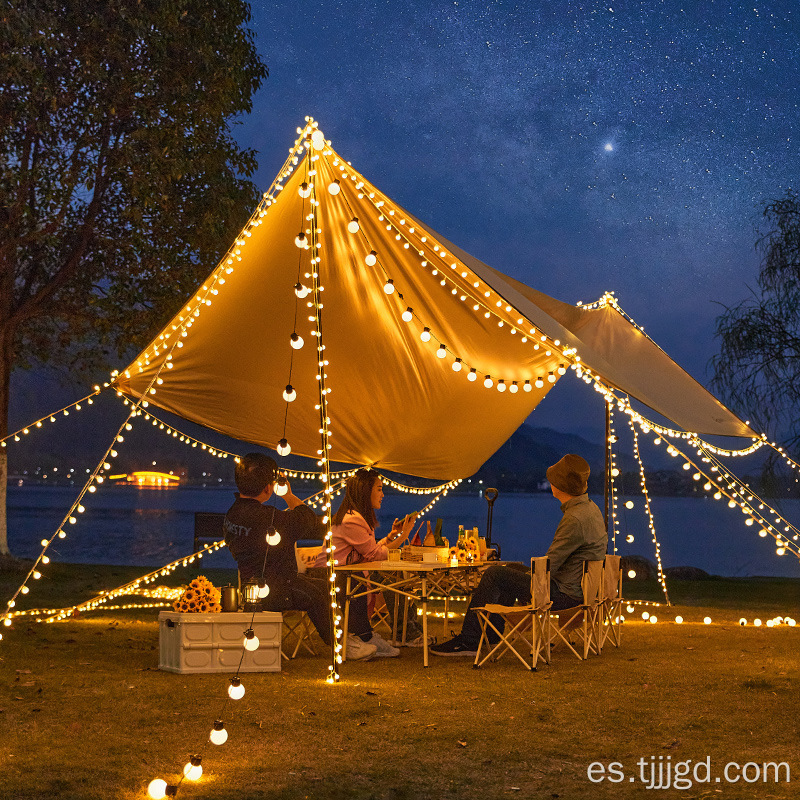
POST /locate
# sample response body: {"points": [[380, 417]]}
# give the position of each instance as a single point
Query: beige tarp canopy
{"points": [[225, 360]]}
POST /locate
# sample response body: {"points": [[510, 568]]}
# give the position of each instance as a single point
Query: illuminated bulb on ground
{"points": [[304, 190], [250, 641], [157, 789], [289, 394], [425, 335], [679, 620], [488, 382], [473, 374], [743, 621], [283, 448], [757, 622], [194, 769], [653, 620], [301, 291], [407, 315], [514, 388], [218, 734], [300, 241], [388, 287], [273, 539], [236, 690], [645, 615], [501, 386], [296, 341], [335, 187], [539, 383], [706, 620], [441, 352], [371, 258], [353, 226]]}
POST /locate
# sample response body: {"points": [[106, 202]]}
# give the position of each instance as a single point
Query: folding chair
{"points": [[297, 627], [526, 630], [612, 601], [584, 620]]}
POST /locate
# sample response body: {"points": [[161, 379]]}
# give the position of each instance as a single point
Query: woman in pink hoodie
{"points": [[353, 536]]}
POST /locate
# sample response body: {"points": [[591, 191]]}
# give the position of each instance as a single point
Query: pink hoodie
{"points": [[355, 542]]}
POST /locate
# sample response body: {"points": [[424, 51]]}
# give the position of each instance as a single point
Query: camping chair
{"points": [[297, 627], [526, 632], [612, 601], [585, 619]]}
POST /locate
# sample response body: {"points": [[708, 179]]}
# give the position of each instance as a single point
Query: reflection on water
{"points": [[125, 525]]}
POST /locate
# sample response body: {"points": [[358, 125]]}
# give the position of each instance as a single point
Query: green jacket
{"points": [[580, 536]]}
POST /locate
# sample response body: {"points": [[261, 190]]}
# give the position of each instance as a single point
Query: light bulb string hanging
{"points": [[745, 492], [661, 577], [52, 416], [612, 484], [733, 496]]}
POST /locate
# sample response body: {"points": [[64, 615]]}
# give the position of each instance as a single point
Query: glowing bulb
{"points": [[653, 620], [501, 386], [193, 770], [304, 190], [284, 448], [757, 622], [645, 615], [301, 291], [629, 538], [539, 382], [263, 591], [300, 241], [282, 487], [457, 365], [631, 573], [679, 620], [706, 620], [335, 187], [561, 369], [407, 315], [296, 341], [473, 374], [236, 690], [318, 140], [743, 621], [289, 394], [425, 335], [353, 226], [273, 539], [371, 258], [388, 287], [629, 504], [551, 378], [250, 641], [157, 789], [219, 735], [441, 352]]}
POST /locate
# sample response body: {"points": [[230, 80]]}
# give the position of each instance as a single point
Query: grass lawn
{"points": [[85, 712]]}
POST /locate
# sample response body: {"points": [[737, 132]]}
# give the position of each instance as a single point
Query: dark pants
{"points": [[302, 593], [505, 586], [358, 620]]}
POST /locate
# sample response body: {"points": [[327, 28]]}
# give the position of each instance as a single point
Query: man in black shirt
{"points": [[262, 539]]}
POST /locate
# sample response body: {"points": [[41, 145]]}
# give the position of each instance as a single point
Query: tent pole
{"points": [[608, 464]]}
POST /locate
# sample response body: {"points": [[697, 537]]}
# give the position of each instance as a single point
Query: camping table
{"points": [[411, 580]]}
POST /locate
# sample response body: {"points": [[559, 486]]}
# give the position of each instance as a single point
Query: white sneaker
{"points": [[384, 649], [359, 650]]}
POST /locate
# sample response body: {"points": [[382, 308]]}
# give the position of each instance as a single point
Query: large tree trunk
{"points": [[5, 379]]}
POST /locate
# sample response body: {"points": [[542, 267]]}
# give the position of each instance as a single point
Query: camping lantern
{"points": [[250, 596]]}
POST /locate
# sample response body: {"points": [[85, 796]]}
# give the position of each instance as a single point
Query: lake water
{"points": [[126, 525]]}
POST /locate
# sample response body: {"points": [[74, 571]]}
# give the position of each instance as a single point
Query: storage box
{"points": [[214, 642]]}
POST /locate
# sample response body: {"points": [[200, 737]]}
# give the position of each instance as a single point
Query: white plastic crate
{"points": [[213, 642]]}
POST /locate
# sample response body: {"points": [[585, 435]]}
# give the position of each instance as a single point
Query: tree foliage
{"points": [[758, 366], [120, 181]]}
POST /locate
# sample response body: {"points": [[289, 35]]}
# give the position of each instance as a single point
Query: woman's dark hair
{"points": [[253, 472], [358, 497]]}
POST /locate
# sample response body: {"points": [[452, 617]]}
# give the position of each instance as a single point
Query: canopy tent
{"points": [[432, 359]]}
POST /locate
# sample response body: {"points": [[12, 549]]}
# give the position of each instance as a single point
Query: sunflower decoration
{"points": [[199, 596]]}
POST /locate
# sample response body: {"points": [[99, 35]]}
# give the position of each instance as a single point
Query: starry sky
{"points": [[578, 147]]}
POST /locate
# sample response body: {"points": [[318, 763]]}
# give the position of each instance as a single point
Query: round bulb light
{"points": [[289, 394], [335, 187], [273, 539], [296, 341], [157, 789], [284, 448], [371, 259], [539, 383], [488, 382], [457, 365], [388, 287], [218, 734], [318, 140], [236, 690], [353, 225], [301, 241], [501, 386], [301, 291], [263, 591], [408, 315], [250, 640], [473, 374], [194, 769], [514, 388], [282, 487], [551, 378], [442, 351], [304, 190]]}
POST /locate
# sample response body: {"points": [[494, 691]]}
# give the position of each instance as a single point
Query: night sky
{"points": [[578, 147]]}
